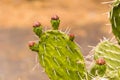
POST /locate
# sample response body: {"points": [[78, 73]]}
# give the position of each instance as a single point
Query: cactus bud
{"points": [[37, 28], [31, 43], [33, 46], [55, 17], [100, 61], [55, 22], [36, 24], [71, 37], [99, 68]]}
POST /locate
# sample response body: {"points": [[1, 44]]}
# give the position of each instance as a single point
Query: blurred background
{"points": [[86, 18]]}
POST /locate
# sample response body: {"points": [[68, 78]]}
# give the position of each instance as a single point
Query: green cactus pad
{"points": [[115, 19], [60, 56], [111, 53]]}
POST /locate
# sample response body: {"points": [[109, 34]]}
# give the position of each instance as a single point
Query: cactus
{"points": [[62, 59], [107, 52], [110, 52], [115, 19], [58, 53], [108, 55]]}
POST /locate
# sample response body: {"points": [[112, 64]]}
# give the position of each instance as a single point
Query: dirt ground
{"points": [[86, 18]]}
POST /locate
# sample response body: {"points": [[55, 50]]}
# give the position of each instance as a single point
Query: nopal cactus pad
{"points": [[115, 19], [59, 54], [110, 52]]}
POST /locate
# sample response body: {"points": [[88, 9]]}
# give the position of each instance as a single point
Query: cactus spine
{"points": [[59, 54]]}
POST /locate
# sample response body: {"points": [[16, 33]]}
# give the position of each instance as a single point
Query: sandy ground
{"points": [[86, 19]]}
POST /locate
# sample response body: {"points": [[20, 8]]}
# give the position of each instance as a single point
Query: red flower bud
{"points": [[100, 61], [55, 17], [36, 24], [31, 43], [71, 37]]}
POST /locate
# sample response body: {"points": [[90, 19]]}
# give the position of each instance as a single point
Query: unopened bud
{"points": [[31, 43], [55, 22], [100, 61], [71, 37], [36, 24], [55, 17]]}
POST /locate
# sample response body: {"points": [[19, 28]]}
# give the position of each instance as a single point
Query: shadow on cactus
{"points": [[62, 59]]}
